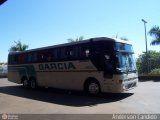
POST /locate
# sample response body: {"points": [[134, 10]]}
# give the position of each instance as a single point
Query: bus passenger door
{"points": [[108, 66]]}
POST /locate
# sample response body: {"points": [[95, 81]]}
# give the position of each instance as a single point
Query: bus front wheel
{"points": [[25, 82], [93, 87]]}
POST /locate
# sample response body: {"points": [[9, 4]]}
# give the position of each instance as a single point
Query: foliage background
{"points": [[153, 61]]}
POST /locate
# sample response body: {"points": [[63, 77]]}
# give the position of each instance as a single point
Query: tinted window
{"points": [[41, 56], [63, 54], [56, 54], [22, 58], [49, 56], [122, 46], [102, 46], [70, 52], [32, 57], [59, 53], [13, 59], [84, 51]]}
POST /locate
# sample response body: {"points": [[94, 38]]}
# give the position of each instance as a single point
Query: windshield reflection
{"points": [[126, 62]]}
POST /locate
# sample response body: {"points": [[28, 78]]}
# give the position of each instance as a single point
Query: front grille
{"points": [[130, 79], [130, 85]]}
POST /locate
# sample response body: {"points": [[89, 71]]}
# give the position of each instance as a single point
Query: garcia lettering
{"points": [[57, 66]]}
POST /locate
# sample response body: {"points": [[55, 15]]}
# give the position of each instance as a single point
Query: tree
{"points": [[153, 58], [124, 38], [18, 46], [155, 33], [76, 40], [2, 1]]}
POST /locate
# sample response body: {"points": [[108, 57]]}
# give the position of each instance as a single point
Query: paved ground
{"points": [[15, 99]]}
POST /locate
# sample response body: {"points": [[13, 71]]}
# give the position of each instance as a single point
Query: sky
{"points": [[40, 23]]}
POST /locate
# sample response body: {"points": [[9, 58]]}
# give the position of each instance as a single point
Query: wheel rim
{"points": [[25, 83], [33, 84], [93, 88]]}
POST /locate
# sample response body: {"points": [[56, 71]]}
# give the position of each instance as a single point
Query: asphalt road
{"points": [[15, 99]]}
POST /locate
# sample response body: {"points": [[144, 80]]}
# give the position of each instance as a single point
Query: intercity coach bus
{"points": [[94, 65]]}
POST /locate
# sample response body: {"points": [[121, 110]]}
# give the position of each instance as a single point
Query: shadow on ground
{"points": [[63, 97]]}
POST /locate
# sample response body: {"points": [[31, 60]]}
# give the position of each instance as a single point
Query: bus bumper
{"points": [[119, 88]]}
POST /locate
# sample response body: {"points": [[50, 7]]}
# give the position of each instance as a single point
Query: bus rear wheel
{"points": [[32, 83], [25, 82], [93, 87]]}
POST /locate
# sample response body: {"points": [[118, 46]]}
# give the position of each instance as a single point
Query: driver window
{"points": [[108, 64]]}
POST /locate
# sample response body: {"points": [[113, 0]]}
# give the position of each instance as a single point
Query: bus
{"points": [[94, 65]]}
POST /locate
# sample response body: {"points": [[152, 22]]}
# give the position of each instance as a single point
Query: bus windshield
{"points": [[126, 62], [125, 56]]}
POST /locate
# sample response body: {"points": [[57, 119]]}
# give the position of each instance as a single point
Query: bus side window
{"points": [[85, 52], [14, 59], [55, 54], [108, 63], [63, 53], [58, 53], [77, 51], [41, 56], [29, 57], [51, 51], [10, 59], [21, 58], [73, 52], [32, 57], [69, 53], [49, 56]]}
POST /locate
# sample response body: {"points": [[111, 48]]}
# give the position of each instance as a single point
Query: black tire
{"points": [[32, 83], [92, 87], [25, 82]]}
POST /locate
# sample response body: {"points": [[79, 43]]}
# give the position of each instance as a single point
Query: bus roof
{"points": [[75, 43]]}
